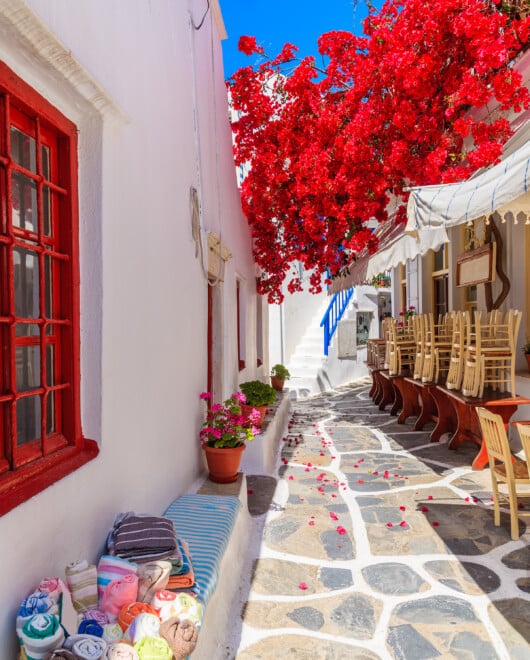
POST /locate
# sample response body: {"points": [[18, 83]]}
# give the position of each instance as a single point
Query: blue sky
{"points": [[273, 22]]}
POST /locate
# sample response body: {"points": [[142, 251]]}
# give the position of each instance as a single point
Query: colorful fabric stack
{"points": [[124, 611]]}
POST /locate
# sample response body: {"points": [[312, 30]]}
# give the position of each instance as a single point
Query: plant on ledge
{"points": [[258, 393], [526, 348], [279, 374], [225, 426]]}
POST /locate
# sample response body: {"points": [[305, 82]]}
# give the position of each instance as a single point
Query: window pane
{"points": [[28, 419], [28, 368], [24, 203], [48, 287], [439, 261], [26, 266], [23, 149], [46, 211], [51, 427], [45, 161], [27, 330], [50, 365]]}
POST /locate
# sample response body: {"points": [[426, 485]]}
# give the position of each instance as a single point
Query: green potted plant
{"points": [[223, 436], [279, 374], [526, 351], [258, 396]]}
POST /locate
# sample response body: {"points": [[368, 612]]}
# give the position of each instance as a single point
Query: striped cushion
{"points": [[205, 522]]}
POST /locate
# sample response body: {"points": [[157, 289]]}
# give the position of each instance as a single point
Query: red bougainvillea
{"points": [[327, 149]]}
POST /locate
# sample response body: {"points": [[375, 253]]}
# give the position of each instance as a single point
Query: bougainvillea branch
{"points": [[327, 149]]}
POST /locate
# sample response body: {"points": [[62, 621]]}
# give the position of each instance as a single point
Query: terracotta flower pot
{"points": [[277, 383], [223, 464], [247, 409]]}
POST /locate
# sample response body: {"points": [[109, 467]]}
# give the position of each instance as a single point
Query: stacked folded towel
{"points": [[143, 538], [183, 577]]}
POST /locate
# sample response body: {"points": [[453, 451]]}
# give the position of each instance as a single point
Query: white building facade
{"points": [[132, 291]]}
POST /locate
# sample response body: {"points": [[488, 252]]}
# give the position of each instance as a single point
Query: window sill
{"points": [[18, 487]]}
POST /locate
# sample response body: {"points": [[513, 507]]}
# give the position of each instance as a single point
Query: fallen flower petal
{"points": [[389, 524], [403, 523], [424, 509], [402, 508], [333, 516], [302, 586], [435, 524], [341, 530]]}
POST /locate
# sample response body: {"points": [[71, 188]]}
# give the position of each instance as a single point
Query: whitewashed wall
{"points": [[129, 73]]}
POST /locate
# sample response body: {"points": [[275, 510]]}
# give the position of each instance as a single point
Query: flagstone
{"points": [[406, 643], [353, 617], [465, 577], [298, 647], [394, 578], [321, 539]]}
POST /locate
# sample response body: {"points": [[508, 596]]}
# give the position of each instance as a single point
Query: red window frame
{"points": [[240, 357], [39, 303]]}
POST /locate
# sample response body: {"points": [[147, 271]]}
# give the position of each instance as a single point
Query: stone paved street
{"points": [[379, 544]]}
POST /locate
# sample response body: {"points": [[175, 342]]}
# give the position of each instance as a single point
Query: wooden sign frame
{"points": [[476, 266]]}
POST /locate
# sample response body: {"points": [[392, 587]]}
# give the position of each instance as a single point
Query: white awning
{"points": [[395, 247], [405, 248], [504, 188]]}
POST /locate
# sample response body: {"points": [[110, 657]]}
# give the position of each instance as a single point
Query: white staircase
{"points": [[311, 371]]}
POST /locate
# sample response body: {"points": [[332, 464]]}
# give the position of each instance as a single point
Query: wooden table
{"points": [[463, 417]]}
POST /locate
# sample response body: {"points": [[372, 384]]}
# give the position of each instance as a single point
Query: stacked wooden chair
{"points": [[401, 346], [457, 356], [437, 347], [490, 353]]}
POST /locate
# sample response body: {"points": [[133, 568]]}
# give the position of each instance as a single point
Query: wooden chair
{"points": [[420, 330], [401, 346], [490, 354], [438, 344], [503, 468], [455, 373]]}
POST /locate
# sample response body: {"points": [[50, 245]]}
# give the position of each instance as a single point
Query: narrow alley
{"points": [[375, 543]]}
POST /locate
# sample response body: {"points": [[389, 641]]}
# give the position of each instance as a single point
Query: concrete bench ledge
{"points": [[216, 525]]}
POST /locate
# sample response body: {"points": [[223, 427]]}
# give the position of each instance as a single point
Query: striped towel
{"points": [[143, 538], [206, 522], [81, 578]]}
